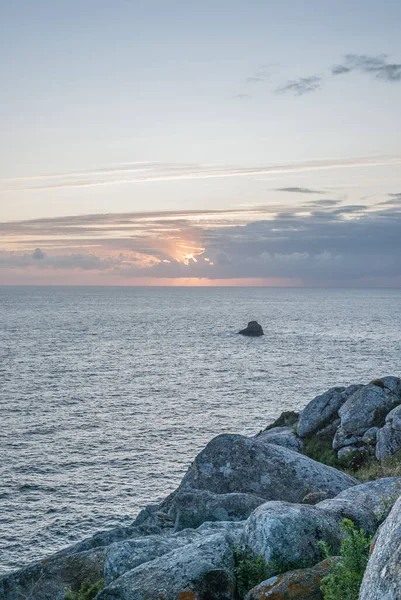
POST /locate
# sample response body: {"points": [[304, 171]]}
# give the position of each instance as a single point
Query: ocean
{"points": [[107, 394]]}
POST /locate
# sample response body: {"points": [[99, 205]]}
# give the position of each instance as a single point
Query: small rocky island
{"points": [[254, 517], [253, 329]]}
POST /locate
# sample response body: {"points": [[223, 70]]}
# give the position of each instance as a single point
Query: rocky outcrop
{"points": [[382, 580], [301, 584], [261, 493], [253, 329], [388, 438], [366, 408], [234, 463], [289, 533], [367, 504], [49, 579], [203, 570]]}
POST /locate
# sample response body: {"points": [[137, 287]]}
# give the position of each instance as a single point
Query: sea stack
{"points": [[253, 329]]}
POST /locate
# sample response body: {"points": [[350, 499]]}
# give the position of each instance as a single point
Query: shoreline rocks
{"points": [[260, 493]]}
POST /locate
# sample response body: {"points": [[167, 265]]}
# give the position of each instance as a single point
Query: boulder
{"points": [[203, 570], [50, 579], [323, 410], [388, 438], [193, 507], [253, 329], [234, 463], [364, 409], [302, 584], [367, 504], [289, 533], [382, 579], [320, 411], [282, 436]]}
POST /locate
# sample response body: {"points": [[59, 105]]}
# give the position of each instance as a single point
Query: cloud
{"points": [[37, 254], [174, 172], [299, 190], [243, 96], [314, 243], [378, 66], [262, 74], [303, 85]]}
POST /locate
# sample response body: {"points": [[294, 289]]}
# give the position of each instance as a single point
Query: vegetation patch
{"points": [[287, 418], [374, 469], [249, 569], [87, 591], [320, 449], [344, 580]]}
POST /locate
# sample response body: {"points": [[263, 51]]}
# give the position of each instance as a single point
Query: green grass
{"points": [[87, 591], [287, 418], [373, 469], [320, 449], [344, 580]]}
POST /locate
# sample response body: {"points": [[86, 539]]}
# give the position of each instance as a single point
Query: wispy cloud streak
{"points": [[175, 172]]}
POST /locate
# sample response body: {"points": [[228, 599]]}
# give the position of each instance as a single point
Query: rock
{"points": [[369, 437], [382, 579], [302, 584], [253, 329], [194, 507], [315, 497], [289, 533], [388, 438], [282, 436], [123, 556], [105, 538], [203, 570], [50, 579], [320, 411], [364, 409], [234, 463], [367, 504]]}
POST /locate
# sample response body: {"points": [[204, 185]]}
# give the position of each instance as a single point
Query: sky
{"points": [[224, 142]]}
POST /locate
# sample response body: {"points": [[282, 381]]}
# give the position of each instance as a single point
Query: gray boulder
{"points": [[288, 533], [388, 438], [382, 579], [51, 578], [320, 411], [364, 409], [203, 570], [253, 329], [234, 463], [323, 410], [367, 504], [281, 436], [193, 507]]}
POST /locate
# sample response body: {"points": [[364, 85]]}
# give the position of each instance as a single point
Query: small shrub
{"points": [[87, 591], [288, 418], [377, 382], [344, 581], [250, 570]]}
